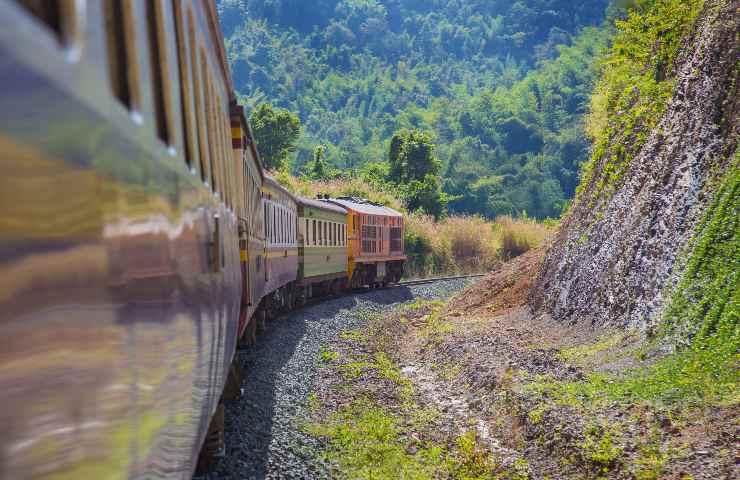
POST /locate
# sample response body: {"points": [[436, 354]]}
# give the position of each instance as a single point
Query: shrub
{"points": [[518, 236]]}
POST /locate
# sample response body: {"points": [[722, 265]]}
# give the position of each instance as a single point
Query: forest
{"points": [[495, 91]]}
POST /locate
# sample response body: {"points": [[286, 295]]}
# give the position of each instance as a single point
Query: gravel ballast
{"points": [[263, 435]]}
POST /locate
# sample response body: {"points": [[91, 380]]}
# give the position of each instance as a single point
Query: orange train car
{"points": [[375, 247]]}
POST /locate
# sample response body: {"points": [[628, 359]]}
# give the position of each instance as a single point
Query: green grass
{"points": [[600, 449], [327, 356], [582, 354], [368, 441]]}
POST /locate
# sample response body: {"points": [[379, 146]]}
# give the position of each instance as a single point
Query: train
{"points": [[142, 241]]}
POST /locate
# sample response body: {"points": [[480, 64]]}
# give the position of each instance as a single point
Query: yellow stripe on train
{"points": [[282, 253]]}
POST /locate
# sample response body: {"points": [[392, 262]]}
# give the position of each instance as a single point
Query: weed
{"points": [[355, 336], [581, 354], [536, 415], [327, 356], [473, 461], [600, 450]]}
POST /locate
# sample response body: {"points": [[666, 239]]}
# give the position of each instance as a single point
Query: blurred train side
{"points": [[141, 238], [120, 275]]}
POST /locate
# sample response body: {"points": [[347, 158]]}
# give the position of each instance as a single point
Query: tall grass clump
{"points": [[518, 236], [454, 245], [467, 244], [636, 84]]}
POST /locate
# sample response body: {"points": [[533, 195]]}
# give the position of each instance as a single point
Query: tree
{"points": [[426, 195], [276, 132], [319, 168], [412, 157], [415, 169]]}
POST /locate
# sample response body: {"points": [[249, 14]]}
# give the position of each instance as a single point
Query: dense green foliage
{"points": [[500, 87], [637, 83], [276, 132], [415, 169]]}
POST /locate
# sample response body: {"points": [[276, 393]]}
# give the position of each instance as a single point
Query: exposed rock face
{"points": [[615, 262]]}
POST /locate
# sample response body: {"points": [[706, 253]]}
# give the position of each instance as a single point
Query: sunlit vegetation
{"points": [[498, 87], [635, 87]]}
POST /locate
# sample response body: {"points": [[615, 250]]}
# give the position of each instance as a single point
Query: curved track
{"points": [[264, 439]]}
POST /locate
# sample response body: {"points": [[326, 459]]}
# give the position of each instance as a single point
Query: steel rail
{"points": [[422, 281]]}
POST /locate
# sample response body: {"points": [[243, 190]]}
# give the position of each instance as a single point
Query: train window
{"points": [[208, 93], [313, 232], [229, 177], [274, 225], [199, 121], [159, 72], [218, 158], [185, 88], [117, 25], [219, 148], [305, 234]]}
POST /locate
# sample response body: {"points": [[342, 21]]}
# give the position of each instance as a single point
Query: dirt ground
{"points": [[488, 368]]}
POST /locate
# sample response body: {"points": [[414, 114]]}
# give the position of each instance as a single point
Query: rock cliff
{"points": [[622, 250]]}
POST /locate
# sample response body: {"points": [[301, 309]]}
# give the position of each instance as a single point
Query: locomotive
{"points": [[142, 240]]}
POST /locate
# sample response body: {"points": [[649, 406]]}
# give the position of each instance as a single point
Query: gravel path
{"points": [[263, 440]]}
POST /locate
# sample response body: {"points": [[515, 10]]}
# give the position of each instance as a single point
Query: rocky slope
{"points": [[622, 250]]}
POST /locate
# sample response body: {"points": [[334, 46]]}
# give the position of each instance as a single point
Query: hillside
{"points": [[501, 86]]}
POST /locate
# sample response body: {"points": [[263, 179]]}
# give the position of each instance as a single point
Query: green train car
{"points": [[322, 249]]}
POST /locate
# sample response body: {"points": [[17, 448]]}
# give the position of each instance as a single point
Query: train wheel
{"points": [[301, 295]]}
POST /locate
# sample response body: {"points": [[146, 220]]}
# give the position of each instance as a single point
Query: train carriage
{"points": [[375, 242], [281, 251], [322, 248], [120, 281], [252, 239]]}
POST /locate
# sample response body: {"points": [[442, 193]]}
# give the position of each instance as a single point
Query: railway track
{"points": [[422, 281], [407, 283]]}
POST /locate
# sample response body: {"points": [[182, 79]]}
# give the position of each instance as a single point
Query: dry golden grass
{"points": [[467, 244], [518, 236]]}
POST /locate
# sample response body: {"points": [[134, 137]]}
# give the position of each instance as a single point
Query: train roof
{"points": [[272, 183], [322, 204], [365, 207]]}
